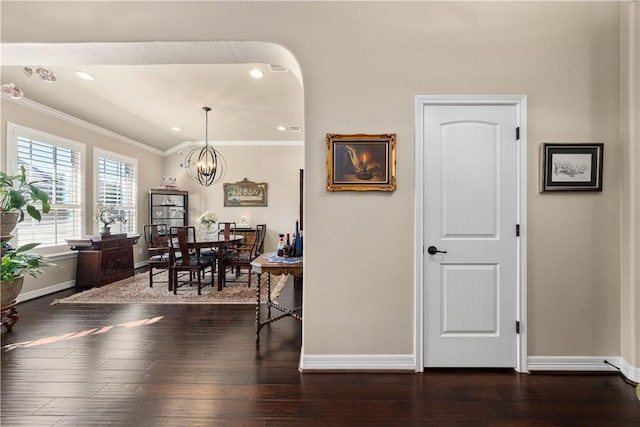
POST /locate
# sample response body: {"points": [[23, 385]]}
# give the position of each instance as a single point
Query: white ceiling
{"points": [[143, 102]]}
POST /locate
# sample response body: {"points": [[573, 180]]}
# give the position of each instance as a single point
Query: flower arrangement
{"points": [[207, 219], [108, 214]]}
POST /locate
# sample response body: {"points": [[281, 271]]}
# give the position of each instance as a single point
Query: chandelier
{"points": [[205, 165]]}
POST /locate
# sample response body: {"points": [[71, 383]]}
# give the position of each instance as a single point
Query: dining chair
{"points": [[156, 238], [244, 254], [227, 228], [183, 240]]}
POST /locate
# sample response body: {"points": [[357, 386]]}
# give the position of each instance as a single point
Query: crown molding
{"points": [[186, 145], [36, 106]]}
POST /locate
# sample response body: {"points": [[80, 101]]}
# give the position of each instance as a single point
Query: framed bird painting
{"points": [[361, 162]]}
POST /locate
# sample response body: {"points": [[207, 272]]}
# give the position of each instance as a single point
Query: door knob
{"points": [[433, 250]]}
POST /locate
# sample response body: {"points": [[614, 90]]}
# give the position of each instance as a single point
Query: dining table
{"points": [[222, 242]]}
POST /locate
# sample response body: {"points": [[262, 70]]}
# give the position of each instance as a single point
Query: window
{"points": [[58, 166], [116, 185]]}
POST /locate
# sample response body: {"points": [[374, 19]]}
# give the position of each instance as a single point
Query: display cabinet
{"points": [[170, 207]]}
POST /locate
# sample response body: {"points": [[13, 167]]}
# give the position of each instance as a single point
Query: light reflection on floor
{"points": [[75, 335]]}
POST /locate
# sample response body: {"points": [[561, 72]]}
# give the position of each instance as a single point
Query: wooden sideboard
{"points": [[104, 259]]}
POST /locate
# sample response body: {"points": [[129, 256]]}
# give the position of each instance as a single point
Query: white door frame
{"points": [[520, 101]]}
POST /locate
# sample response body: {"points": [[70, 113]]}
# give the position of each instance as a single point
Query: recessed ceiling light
{"points": [[256, 74], [176, 129], [281, 128], [84, 75]]}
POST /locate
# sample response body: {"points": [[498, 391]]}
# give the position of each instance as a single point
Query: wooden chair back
{"points": [[242, 257], [258, 244], [182, 240], [156, 239], [227, 228]]}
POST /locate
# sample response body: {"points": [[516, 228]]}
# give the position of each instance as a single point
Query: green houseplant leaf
{"points": [[18, 195], [18, 262]]}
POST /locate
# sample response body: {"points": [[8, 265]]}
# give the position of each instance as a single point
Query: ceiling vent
{"points": [[278, 69], [295, 129]]}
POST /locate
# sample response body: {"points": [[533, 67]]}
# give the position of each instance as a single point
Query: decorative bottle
{"points": [[280, 244], [297, 242], [299, 252], [286, 251]]}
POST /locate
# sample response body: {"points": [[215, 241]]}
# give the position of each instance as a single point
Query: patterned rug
{"points": [[136, 290]]}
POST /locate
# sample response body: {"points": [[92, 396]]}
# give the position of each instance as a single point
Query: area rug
{"points": [[136, 290]]}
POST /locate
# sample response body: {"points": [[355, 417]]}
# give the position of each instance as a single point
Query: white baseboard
{"points": [[571, 363], [629, 371], [26, 296], [406, 362], [584, 363], [354, 362], [141, 264]]}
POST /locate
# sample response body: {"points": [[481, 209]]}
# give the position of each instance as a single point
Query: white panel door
{"points": [[470, 214]]}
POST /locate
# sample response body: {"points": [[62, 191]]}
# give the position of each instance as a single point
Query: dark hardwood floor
{"points": [[197, 365]]}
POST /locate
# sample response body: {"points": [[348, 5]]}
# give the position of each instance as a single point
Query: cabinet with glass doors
{"points": [[170, 207]]}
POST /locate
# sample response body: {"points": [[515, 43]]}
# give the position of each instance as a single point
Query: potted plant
{"points": [[107, 215], [15, 264], [17, 196]]}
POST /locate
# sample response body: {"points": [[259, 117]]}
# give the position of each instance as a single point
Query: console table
{"points": [[104, 259], [271, 264]]}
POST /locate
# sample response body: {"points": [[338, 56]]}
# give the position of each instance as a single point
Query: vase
{"points": [[8, 222], [10, 291], [105, 230], [209, 232]]}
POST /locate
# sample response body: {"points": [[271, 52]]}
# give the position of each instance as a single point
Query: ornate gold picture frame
{"points": [[245, 193], [361, 162]]}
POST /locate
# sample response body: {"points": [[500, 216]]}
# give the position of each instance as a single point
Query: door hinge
{"points": [[517, 230], [517, 326], [518, 133]]}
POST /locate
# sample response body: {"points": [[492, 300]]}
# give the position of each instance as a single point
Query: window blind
{"points": [[117, 186], [56, 169]]}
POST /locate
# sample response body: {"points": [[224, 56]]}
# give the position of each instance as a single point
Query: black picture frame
{"points": [[571, 167]]}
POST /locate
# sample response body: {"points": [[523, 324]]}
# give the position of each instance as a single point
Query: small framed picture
{"points": [[361, 162], [571, 167], [245, 193]]}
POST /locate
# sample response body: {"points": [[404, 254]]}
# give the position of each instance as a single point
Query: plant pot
{"points": [[10, 291], [8, 222]]}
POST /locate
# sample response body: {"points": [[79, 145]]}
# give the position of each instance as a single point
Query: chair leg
{"points": [[249, 279], [200, 272], [175, 282], [150, 276]]}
